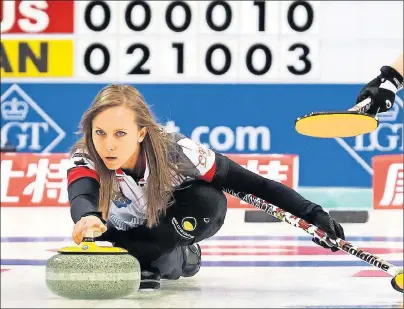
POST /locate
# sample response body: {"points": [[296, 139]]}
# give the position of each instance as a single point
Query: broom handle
{"points": [[316, 232], [361, 105]]}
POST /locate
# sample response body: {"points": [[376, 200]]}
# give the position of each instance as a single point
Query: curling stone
{"points": [[89, 271]]}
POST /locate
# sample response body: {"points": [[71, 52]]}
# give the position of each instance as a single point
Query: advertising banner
{"points": [[34, 179], [388, 181], [231, 119]]}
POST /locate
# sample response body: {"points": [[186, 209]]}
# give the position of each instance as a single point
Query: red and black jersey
{"points": [[128, 206]]}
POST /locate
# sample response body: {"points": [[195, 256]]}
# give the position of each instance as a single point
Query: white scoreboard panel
{"points": [[233, 41]]}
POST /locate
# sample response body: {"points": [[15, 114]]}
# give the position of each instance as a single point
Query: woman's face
{"points": [[116, 137]]}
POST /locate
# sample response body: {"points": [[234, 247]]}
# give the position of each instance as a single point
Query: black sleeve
{"points": [[230, 175], [83, 197]]}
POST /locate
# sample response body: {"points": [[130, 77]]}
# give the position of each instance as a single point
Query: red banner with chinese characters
{"points": [[388, 181], [281, 168], [41, 180], [34, 179]]}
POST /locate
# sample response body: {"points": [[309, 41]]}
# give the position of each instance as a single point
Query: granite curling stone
{"points": [[89, 271]]}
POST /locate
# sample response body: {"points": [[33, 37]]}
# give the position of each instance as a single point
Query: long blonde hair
{"points": [[156, 144]]}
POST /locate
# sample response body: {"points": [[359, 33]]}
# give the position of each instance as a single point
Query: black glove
{"points": [[381, 90], [322, 220]]}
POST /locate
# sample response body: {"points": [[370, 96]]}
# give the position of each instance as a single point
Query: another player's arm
{"points": [[381, 90], [398, 64]]}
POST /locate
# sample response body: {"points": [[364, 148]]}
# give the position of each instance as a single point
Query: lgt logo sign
{"points": [[386, 139], [25, 125]]}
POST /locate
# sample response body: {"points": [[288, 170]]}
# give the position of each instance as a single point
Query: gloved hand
{"points": [[381, 90], [324, 221]]}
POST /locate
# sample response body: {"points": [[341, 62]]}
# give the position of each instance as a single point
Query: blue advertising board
{"points": [[229, 118]]}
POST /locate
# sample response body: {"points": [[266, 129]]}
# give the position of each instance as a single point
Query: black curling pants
{"points": [[198, 212]]}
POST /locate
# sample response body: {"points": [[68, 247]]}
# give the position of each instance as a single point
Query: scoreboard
{"points": [[233, 75], [198, 41]]}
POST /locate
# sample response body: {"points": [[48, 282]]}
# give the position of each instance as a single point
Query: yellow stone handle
{"points": [[93, 232]]}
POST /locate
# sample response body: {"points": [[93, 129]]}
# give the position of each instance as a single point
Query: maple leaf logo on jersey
{"points": [[393, 190], [386, 139], [120, 200]]}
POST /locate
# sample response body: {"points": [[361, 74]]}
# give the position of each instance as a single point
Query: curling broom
{"points": [[332, 124], [392, 270]]}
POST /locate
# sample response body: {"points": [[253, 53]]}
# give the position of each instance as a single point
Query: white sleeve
{"points": [[197, 160]]}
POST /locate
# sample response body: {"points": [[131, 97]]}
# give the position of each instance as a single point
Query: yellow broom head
{"points": [[397, 281]]}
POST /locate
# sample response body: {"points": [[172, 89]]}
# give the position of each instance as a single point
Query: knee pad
{"points": [[199, 210], [192, 260]]}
